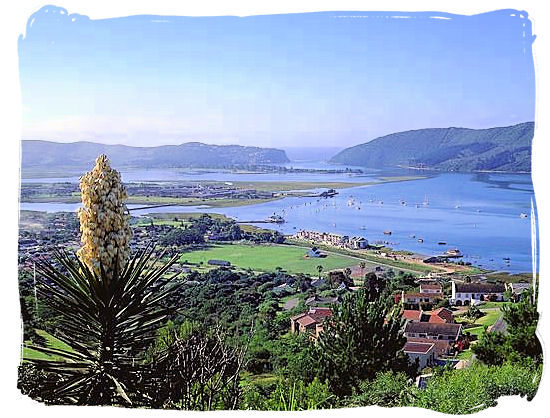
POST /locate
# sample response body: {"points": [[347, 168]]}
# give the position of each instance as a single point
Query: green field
{"points": [[268, 257], [51, 342]]}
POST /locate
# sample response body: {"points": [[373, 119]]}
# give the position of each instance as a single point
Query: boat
{"points": [[387, 232], [420, 240], [453, 252], [442, 243], [412, 236], [523, 215], [276, 219], [425, 202]]}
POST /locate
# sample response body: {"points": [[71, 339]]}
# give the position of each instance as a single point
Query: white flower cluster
{"points": [[104, 226]]}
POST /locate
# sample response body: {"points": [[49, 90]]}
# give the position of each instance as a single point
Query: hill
{"points": [[447, 149], [45, 154]]}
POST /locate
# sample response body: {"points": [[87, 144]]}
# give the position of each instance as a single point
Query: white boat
{"points": [[425, 202], [523, 215]]}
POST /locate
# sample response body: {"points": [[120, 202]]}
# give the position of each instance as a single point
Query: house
{"points": [[441, 347], [430, 288], [358, 243], [314, 253], [424, 352], [310, 322], [433, 331], [413, 300], [473, 293], [221, 263], [412, 315], [441, 316]]}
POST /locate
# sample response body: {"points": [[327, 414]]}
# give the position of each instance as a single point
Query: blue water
{"points": [[476, 213]]}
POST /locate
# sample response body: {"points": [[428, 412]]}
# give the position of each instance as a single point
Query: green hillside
{"points": [[47, 154], [448, 149]]}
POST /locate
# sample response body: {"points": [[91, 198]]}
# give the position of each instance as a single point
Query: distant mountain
{"points": [[447, 149], [45, 154]]}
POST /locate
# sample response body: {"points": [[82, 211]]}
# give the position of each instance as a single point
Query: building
{"points": [[424, 352], [441, 316], [314, 253], [433, 331], [430, 288], [221, 263], [310, 322], [473, 293], [358, 243], [438, 316], [335, 240], [414, 300]]}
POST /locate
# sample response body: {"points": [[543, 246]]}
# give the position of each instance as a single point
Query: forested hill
{"points": [[36, 154], [448, 149]]}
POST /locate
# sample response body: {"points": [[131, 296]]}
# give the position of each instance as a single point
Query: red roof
{"points": [[418, 347], [307, 320], [441, 315], [431, 286], [423, 295], [411, 314], [441, 346]]}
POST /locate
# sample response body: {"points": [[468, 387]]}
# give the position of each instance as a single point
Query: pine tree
{"points": [[361, 339]]}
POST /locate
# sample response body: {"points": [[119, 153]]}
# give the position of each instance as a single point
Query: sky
{"points": [[298, 80]]}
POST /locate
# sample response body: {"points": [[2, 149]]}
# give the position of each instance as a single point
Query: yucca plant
{"points": [[109, 303], [108, 321]]}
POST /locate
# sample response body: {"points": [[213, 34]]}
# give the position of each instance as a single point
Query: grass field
{"points": [[269, 257], [51, 342]]}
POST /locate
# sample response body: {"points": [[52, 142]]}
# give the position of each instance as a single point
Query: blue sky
{"points": [[317, 79]]}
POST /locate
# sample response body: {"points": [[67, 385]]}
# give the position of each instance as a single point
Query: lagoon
{"points": [[478, 213]]}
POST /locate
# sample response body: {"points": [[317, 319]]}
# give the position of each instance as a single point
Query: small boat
{"points": [[442, 243], [387, 232], [412, 236], [425, 202], [523, 215], [420, 240]]}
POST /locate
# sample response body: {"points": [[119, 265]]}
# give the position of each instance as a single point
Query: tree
{"points": [[375, 285], [388, 389], [196, 370], [319, 270], [520, 341], [108, 307], [361, 339]]}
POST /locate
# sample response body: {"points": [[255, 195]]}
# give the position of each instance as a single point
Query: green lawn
{"points": [[51, 342], [268, 257]]}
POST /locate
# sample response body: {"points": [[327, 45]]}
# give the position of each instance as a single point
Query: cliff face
{"points": [[448, 149], [36, 154]]}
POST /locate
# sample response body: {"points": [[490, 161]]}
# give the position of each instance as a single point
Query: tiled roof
{"points": [[418, 347], [441, 315], [430, 286], [411, 314], [422, 295], [441, 346], [479, 287], [433, 328]]}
